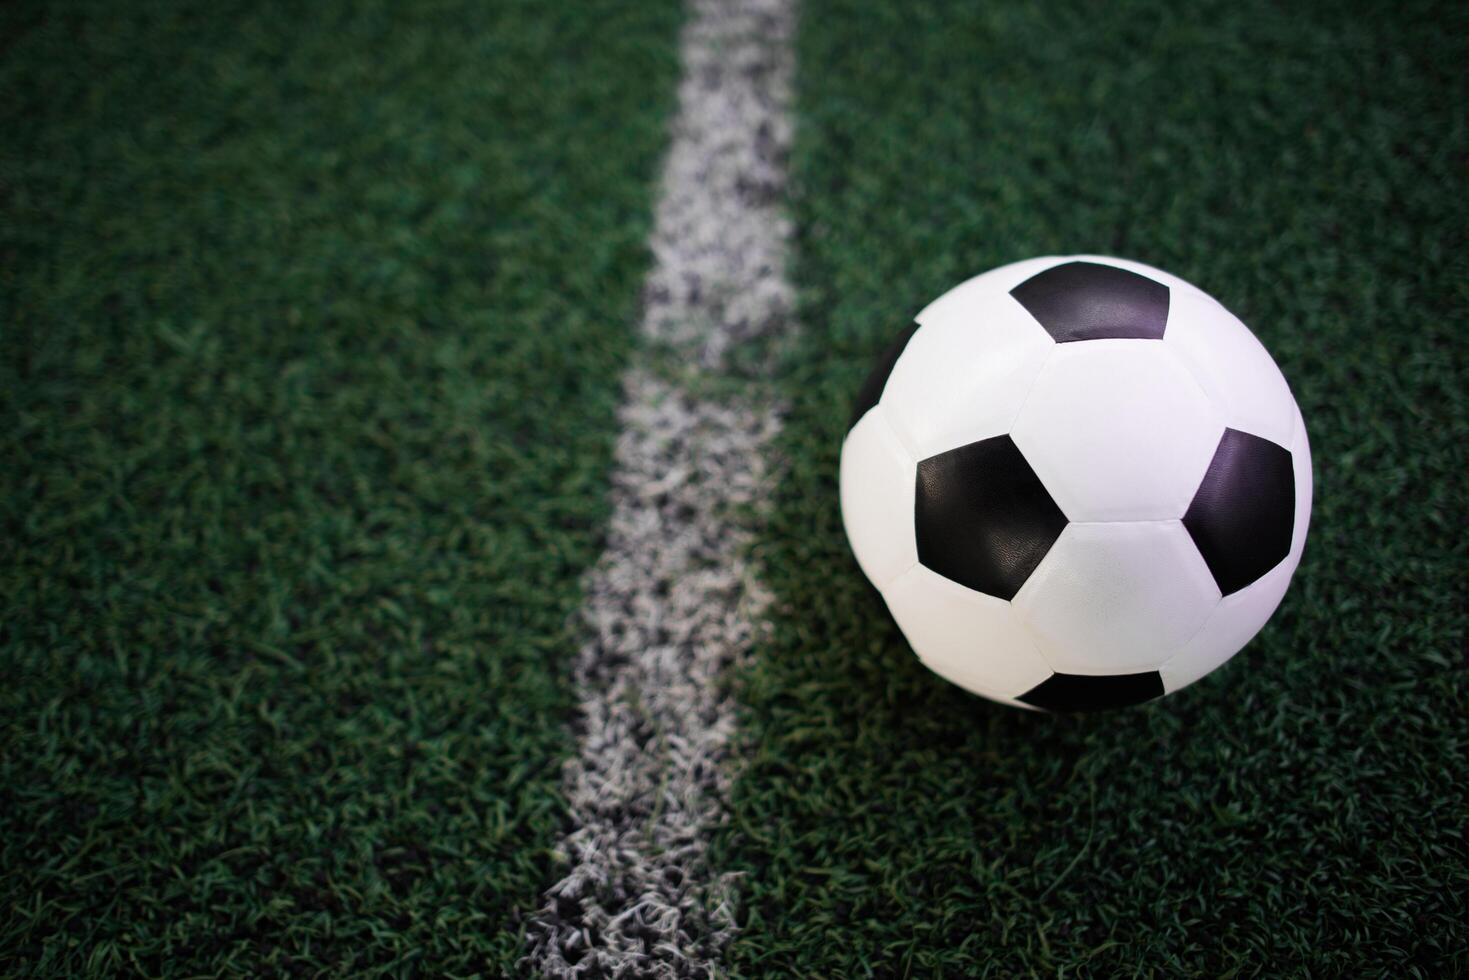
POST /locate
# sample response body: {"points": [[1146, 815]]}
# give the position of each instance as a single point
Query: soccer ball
{"points": [[1078, 482]]}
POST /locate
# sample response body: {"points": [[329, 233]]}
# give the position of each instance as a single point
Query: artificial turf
{"points": [[1304, 810], [311, 320]]}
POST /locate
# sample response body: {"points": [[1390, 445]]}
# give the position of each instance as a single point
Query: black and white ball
{"points": [[1078, 482]]}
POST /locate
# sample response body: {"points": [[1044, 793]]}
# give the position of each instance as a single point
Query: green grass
{"points": [[1305, 809], [311, 316], [310, 323]]}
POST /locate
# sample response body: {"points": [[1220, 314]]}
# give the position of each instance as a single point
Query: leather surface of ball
{"points": [[1078, 482]]}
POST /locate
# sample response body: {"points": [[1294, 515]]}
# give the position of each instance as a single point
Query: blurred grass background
{"points": [[1304, 810], [310, 323], [311, 318]]}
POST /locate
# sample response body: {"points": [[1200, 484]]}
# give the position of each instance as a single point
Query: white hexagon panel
{"points": [[966, 372], [877, 483], [1118, 430], [1234, 369], [967, 637], [1117, 598]]}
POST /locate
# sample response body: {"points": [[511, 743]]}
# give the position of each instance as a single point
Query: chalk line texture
{"points": [[673, 603]]}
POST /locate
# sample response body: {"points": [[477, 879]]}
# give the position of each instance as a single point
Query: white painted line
{"points": [[672, 604]]}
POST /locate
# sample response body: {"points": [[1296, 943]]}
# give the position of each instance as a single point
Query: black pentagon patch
{"points": [[1244, 512], [982, 516], [1083, 692], [1089, 301], [876, 381]]}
